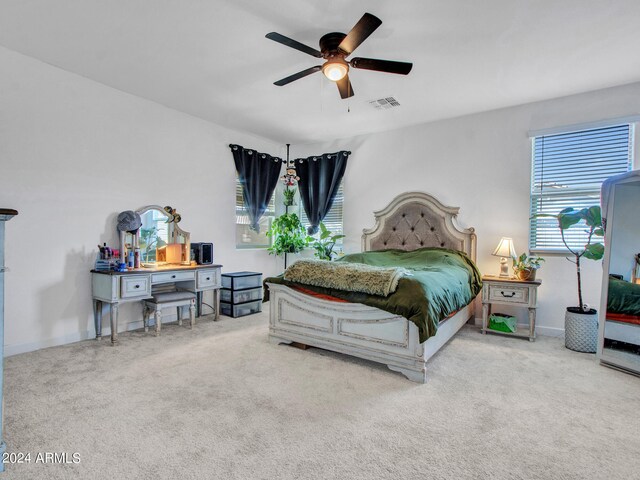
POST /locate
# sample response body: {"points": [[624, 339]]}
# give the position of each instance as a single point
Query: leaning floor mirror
{"points": [[619, 339]]}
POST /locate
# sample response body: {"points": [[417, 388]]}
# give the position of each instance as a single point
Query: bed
{"points": [[623, 311], [623, 301], [411, 221]]}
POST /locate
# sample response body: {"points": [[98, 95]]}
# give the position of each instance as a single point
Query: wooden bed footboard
{"points": [[356, 329]]}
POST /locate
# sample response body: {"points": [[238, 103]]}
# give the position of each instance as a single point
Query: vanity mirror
{"points": [[160, 239], [619, 331]]}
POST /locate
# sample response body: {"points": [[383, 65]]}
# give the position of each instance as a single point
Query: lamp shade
{"points": [[505, 248]]}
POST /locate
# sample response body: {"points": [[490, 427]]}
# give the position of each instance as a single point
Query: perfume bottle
{"points": [[136, 257]]}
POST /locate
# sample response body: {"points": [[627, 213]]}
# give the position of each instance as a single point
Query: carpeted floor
{"points": [[221, 402]]}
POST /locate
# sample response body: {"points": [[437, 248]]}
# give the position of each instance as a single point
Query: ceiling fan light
{"points": [[335, 70]]}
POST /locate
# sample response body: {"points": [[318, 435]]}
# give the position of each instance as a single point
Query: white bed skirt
{"points": [[358, 330]]}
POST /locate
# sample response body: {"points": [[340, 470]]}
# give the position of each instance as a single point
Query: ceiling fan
{"points": [[334, 48]]}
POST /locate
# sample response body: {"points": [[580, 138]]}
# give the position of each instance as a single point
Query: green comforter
{"points": [[442, 282], [624, 297]]}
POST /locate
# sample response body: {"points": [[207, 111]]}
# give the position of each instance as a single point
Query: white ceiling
{"points": [[210, 58]]}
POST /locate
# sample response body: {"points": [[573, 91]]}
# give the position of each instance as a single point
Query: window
{"points": [[245, 237], [333, 220], [568, 171]]}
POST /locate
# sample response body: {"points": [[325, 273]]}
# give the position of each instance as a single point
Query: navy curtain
{"points": [[258, 174], [320, 178]]}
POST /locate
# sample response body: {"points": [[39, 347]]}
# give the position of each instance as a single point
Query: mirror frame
{"points": [[174, 233], [608, 203]]}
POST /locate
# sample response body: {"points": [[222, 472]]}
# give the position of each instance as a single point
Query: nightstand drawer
{"points": [[499, 293]]}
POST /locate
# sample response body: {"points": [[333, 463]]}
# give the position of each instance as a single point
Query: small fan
{"points": [[334, 48]]}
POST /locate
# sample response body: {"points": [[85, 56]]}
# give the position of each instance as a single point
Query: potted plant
{"points": [[581, 322], [525, 267], [289, 194], [324, 244], [288, 235]]}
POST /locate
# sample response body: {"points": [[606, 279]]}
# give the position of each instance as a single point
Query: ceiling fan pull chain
{"points": [[321, 90]]}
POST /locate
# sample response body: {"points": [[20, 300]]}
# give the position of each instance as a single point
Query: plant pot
{"points": [[581, 330], [527, 274]]}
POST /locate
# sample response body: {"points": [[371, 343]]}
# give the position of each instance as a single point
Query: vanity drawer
{"points": [[498, 293], [208, 278], [135, 286], [169, 277]]}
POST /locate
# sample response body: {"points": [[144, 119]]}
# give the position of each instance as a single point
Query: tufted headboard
{"points": [[414, 220]]}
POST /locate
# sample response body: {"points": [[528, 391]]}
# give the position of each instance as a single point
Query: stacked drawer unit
{"points": [[241, 293]]}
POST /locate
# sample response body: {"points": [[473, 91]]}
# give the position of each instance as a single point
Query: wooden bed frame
{"points": [[412, 220]]}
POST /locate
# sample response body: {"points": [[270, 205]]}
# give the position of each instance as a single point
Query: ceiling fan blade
{"points": [[289, 42], [359, 33], [297, 76], [389, 66], [344, 87]]}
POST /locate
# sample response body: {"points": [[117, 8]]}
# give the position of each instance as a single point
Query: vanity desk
{"points": [[115, 288], [153, 239]]}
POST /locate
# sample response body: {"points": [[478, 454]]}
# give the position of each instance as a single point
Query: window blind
{"points": [[568, 171], [246, 238], [333, 220], [241, 214]]}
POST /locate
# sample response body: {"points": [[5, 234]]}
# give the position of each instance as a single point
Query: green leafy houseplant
{"points": [[525, 266], [289, 195], [593, 249], [288, 235], [324, 244]]}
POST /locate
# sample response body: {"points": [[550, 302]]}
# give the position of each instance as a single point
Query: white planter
{"points": [[581, 331]]}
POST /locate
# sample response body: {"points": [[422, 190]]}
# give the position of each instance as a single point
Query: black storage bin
{"points": [[241, 309], [241, 280], [241, 293], [240, 296]]}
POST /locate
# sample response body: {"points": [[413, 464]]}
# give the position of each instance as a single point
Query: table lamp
{"points": [[504, 250]]}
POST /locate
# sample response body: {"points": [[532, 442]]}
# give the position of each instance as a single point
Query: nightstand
{"points": [[510, 291]]}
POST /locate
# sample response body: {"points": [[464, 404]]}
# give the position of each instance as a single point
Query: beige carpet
{"points": [[221, 402]]}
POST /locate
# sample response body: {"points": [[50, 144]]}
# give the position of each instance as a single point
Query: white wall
{"points": [[480, 163], [73, 154]]}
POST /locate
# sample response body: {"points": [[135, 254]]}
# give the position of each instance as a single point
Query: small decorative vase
{"points": [[581, 330]]}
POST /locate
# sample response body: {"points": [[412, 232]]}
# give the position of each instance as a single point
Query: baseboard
{"points": [[549, 331], [10, 350], [540, 329]]}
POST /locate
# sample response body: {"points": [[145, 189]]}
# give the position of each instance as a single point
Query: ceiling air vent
{"points": [[384, 103]]}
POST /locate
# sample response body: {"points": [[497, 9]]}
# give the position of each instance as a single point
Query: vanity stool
{"points": [[176, 299]]}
